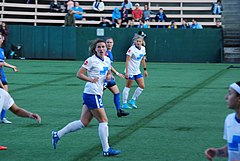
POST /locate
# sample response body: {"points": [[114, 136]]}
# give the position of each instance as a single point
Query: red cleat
{"points": [[3, 148]]}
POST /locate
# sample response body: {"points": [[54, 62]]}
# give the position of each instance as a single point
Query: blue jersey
{"points": [[2, 59], [110, 55]]}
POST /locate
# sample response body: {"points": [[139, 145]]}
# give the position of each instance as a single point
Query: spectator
{"points": [[217, 7], [5, 31], [172, 25], [131, 24], [218, 24], [116, 17], [78, 11], [55, 6], [128, 5], [105, 22], [69, 5], [137, 13], [69, 19], [160, 16], [195, 25], [124, 16], [147, 13], [98, 5], [142, 24], [185, 24]]}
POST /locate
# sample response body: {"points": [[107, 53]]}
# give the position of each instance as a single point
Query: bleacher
{"points": [[39, 13]]}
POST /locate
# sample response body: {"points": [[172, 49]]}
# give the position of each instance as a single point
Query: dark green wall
{"points": [[163, 45]]}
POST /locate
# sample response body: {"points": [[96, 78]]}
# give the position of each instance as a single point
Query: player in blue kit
{"points": [[111, 85], [3, 78], [231, 128], [98, 68], [135, 56]]}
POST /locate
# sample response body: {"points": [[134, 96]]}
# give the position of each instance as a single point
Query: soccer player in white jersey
{"points": [[135, 56], [231, 128], [7, 102], [98, 68]]}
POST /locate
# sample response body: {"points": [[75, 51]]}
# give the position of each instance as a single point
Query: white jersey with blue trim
{"points": [[232, 135], [136, 55], [96, 68]]}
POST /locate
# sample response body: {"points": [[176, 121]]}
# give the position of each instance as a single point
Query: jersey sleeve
{"points": [[87, 64], [130, 51]]}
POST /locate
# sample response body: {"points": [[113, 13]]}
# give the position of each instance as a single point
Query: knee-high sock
{"points": [[103, 134], [137, 93], [125, 94], [117, 101], [3, 114], [71, 127]]}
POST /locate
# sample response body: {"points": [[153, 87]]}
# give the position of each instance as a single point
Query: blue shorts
{"points": [[92, 101], [108, 84], [134, 77]]}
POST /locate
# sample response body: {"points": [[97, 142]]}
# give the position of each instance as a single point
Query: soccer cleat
{"points": [[121, 113], [5, 121], [111, 152], [125, 106], [3, 148], [55, 139], [132, 103]]}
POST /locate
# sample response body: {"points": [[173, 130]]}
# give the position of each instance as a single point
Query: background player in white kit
{"points": [[98, 69], [231, 128], [135, 56]]}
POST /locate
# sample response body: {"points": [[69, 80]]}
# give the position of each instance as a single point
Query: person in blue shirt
{"points": [[160, 17], [116, 16], [217, 7], [111, 85], [4, 79], [78, 11], [195, 25]]}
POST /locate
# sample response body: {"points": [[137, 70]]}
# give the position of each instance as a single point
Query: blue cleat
{"points": [[111, 152], [125, 106], [55, 139], [132, 103]]}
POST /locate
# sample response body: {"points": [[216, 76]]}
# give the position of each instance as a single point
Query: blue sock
{"points": [[3, 114], [117, 101]]}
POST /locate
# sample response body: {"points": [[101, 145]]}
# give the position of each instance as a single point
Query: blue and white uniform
{"points": [[136, 55], [2, 74], [6, 100], [232, 135], [96, 68]]}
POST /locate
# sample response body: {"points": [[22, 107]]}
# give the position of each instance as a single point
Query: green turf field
{"points": [[181, 113]]}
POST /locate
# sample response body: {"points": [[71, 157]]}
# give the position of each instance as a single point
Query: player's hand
{"points": [[210, 153], [120, 75], [15, 69], [36, 116], [126, 75], [145, 73]]}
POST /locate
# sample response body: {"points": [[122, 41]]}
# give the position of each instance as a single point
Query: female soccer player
{"points": [[135, 56], [6, 102], [3, 78], [98, 68], [231, 128], [111, 85]]}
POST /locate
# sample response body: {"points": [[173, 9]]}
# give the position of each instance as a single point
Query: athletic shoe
{"points": [[132, 103], [5, 121], [55, 139], [121, 113], [111, 152], [125, 106], [3, 148]]}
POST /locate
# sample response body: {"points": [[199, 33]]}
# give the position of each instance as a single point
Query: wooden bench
{"points": [[39, 13]]}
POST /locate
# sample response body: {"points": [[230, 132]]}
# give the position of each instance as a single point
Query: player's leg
{"points": [[114, 89], [138, 91], [125, 93], [103, 131], [4, 112]]}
